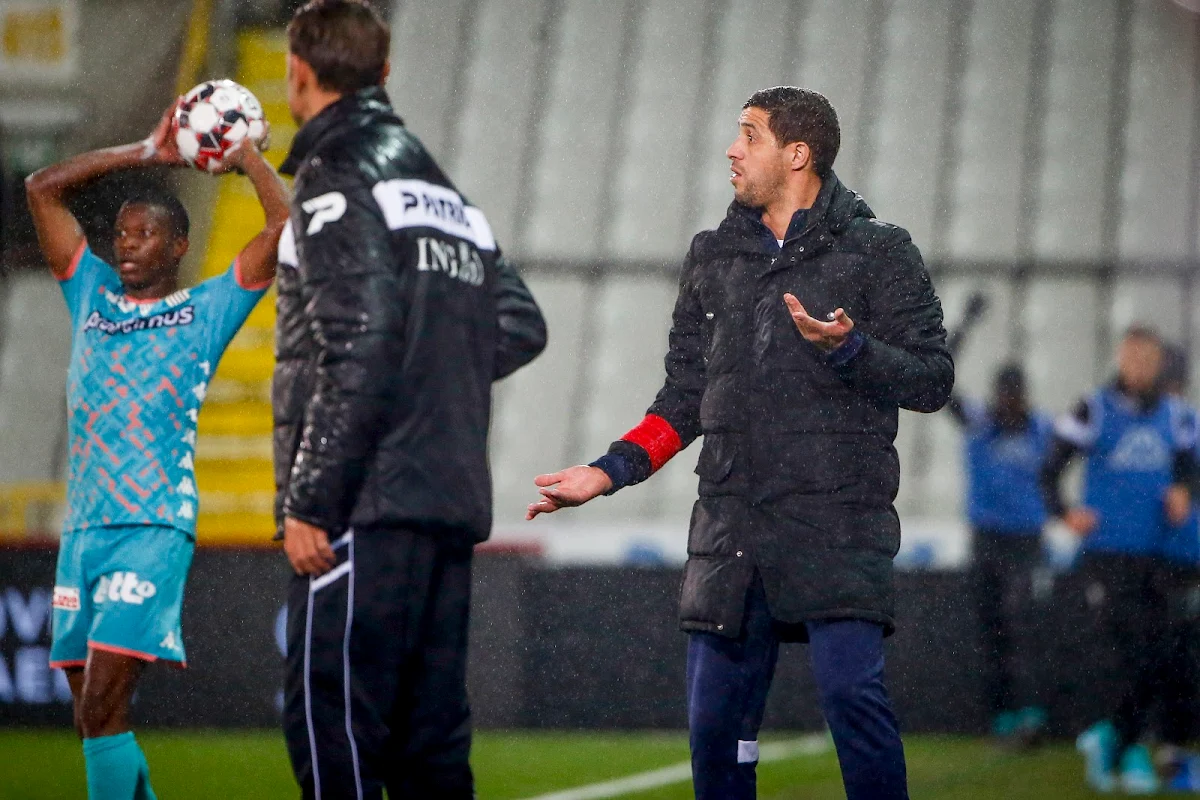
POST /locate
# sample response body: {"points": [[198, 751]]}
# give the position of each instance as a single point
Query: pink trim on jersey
{"points": [[143, 302], [77, 662], [125, 651], [74, 265], [241, 281]]}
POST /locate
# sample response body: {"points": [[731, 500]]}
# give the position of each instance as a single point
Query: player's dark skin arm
{"points": [[258, 259], [58, 232]]}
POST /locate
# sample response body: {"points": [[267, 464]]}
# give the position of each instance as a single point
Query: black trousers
{"points": [[375, 692], [1125, 592], [1180, 709], [1002, 569]]}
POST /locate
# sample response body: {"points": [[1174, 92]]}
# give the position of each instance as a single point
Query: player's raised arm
{"points": [[58, 232], [256, 262]]}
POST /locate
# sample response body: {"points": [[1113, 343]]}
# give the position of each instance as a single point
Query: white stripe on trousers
{"points": [[315, 585]]}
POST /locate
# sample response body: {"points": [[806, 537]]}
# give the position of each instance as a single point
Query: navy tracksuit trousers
{"points": [[728, 680]]}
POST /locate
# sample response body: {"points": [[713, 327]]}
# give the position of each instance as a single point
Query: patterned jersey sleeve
{"points": [[226, 303], [87, 276]]}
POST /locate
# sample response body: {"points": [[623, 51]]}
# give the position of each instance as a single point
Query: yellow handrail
{"points": [[30, 507]]}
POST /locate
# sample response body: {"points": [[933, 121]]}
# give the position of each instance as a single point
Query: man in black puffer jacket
{"points": [[396, 312], [803, 325]]}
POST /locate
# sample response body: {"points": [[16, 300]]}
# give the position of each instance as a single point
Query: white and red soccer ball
{"points": [[212, 118]]}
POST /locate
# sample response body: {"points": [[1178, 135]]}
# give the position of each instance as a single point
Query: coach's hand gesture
{"points": [[307, 547], [573, 486], [827, 335]]}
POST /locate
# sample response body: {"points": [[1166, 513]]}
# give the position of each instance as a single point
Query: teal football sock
{"points": [[116, 768]]}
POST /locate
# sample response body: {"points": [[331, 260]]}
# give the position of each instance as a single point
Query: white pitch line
{"points": [[812, 745]]}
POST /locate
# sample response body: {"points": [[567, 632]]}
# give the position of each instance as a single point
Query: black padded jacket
{"points": [[396, 312], [798, 471]]}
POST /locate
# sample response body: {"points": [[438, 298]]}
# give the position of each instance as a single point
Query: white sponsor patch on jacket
{"points": [[66, 598], [287, 247], [420, 204]]}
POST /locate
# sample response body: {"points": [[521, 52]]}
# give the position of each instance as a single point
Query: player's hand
{"points": [[573, 486], [307, 547], [828, 335], [1081, 521], [159, 147], [1178, 502]]}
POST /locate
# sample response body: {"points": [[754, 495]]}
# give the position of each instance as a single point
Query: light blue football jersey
{"points": [[138, 376]]}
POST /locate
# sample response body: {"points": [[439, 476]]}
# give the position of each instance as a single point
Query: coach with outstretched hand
{"points": [[803, 324]]}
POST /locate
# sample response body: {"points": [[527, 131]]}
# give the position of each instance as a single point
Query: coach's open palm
{"points": [[573, 486]]}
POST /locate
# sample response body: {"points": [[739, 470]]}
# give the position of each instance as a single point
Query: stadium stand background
{"points": [[1047, 153]]}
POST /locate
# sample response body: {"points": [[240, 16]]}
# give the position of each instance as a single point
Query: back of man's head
{"points": [[346, 42]]}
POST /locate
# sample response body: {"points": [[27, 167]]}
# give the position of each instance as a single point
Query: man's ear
{"points": [[180, 247], [387, 70], [301, 71], [801, 155]]}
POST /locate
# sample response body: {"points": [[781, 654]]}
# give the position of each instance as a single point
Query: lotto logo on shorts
{"points": [[66, 598], [123, 587]]}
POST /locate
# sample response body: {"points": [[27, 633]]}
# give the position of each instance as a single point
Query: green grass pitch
{"points": [[47, 764]]}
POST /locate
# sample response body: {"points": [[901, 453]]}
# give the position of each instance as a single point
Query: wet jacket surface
{"points": [[798, 471], [396, 312]]}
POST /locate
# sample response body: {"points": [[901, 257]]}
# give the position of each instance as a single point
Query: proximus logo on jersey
{"points": [[123, 587], [163, 319]]}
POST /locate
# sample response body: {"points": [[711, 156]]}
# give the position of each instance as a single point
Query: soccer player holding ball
{"points": [[143, 351]]}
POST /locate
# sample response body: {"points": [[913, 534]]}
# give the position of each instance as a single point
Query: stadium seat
{"points": [[746, 26], [572, 172], [495, 110], [1072, 190], [654, 170], [833, 42], [33, 369], [993, 96], [1156, 179], [910, 108], [428, 43], [623, 370], [1060, 320]]}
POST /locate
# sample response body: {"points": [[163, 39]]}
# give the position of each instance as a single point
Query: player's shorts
{"points": [[120, 589]]}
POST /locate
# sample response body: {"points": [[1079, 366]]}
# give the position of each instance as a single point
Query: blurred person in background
{"points": [[396, 313], [1006, 443], [143, 351], [1139, 448], [803, 324], [1179, 708]]}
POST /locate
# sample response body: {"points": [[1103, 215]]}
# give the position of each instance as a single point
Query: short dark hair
{"points": [[802, 115], [1144, 332], [346, 42], [165, 201]]}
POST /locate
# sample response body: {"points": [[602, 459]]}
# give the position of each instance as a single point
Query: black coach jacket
{"points": [[396, 312], [798, 472]]}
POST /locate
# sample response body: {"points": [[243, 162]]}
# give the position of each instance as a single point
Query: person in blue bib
{"points": [[1139, 448], [1006, 442], [1179, 582], [143, 350]]}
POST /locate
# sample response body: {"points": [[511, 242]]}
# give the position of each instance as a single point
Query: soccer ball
{"points": [[212, 118]]}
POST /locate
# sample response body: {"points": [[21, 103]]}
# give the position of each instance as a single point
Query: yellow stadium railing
{"points": [[30, 509]]}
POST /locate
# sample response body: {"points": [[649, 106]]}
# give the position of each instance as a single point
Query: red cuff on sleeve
{"points": [[241, 281], [656, 436], [74, 265]]}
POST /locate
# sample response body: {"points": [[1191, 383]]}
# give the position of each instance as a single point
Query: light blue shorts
{"points": [[120, 589]]}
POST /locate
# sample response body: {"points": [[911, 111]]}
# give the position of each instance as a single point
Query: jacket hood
{"points": [[835, 208], [349, 111]]}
